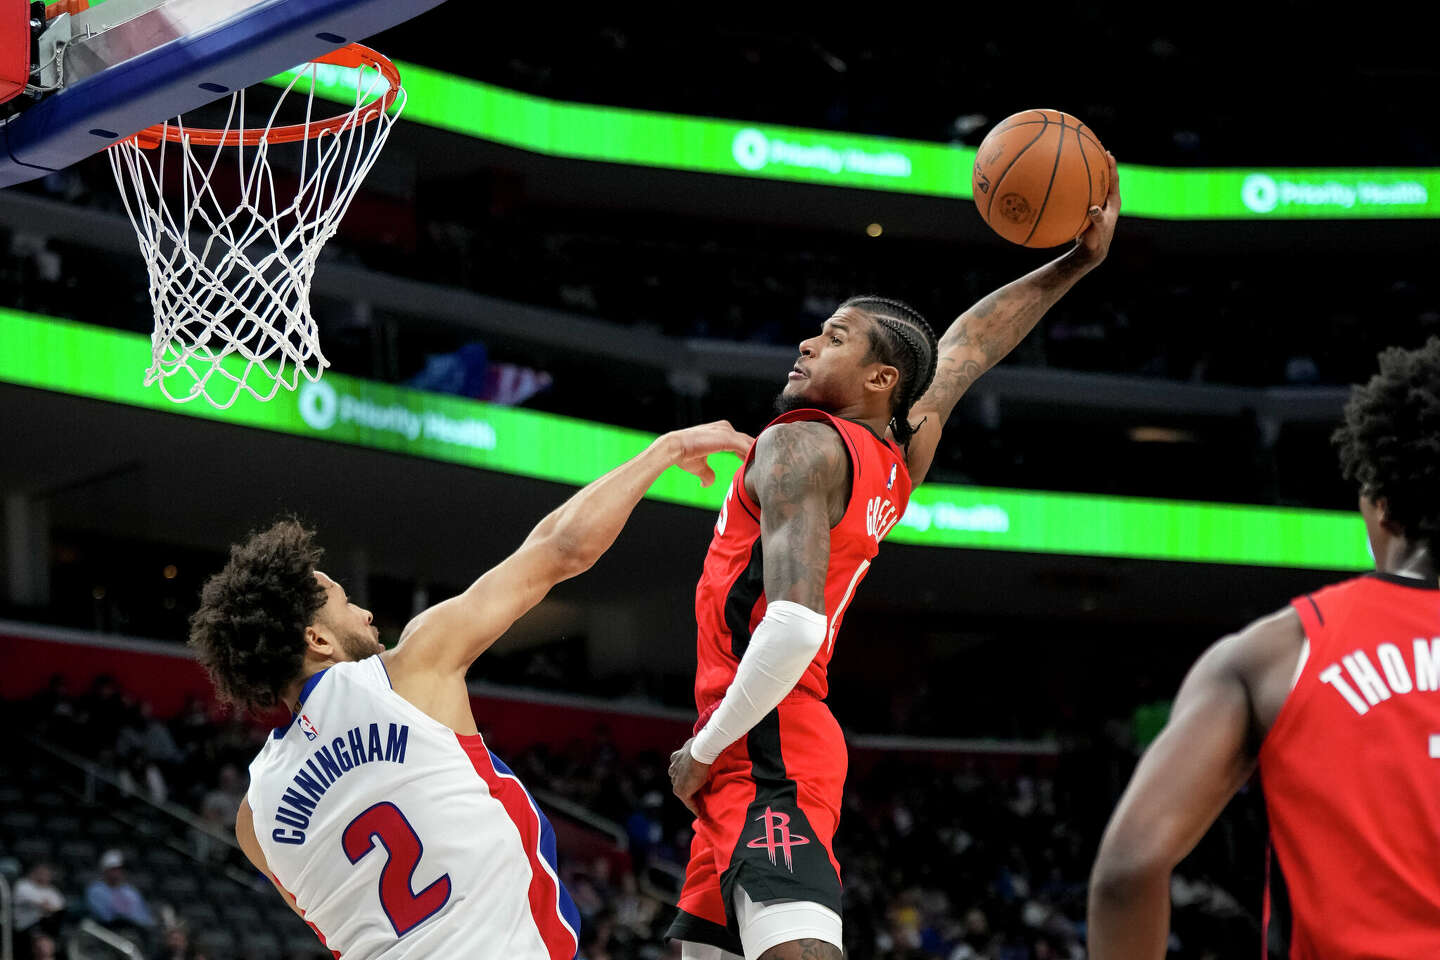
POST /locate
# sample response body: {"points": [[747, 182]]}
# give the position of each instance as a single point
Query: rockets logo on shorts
{"points": [[777, 836]]}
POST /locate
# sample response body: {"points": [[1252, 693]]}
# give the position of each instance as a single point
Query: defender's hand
{"points": [[1092, 245], [693, 444], [688, 775]]}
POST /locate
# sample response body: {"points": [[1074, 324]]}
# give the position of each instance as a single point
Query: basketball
{"points": [[1036, 175]]}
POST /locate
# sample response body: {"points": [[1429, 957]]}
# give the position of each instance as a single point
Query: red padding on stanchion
{"points": [[14, 47]]}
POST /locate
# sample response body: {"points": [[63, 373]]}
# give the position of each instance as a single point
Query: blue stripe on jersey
{"points": [[568, 909], [309, 686], [304, 695]]}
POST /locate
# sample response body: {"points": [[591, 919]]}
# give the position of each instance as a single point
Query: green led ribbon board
{"points": [[674, 142], [104, 364]]}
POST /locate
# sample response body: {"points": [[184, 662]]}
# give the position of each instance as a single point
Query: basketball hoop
{"points": [[230, 271]]}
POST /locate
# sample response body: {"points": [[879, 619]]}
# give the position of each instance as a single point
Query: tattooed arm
{"points": [[986, 332], [800, 476]]}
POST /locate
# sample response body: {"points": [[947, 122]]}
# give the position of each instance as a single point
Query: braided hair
{"points": [[901, 338], [1390, 441]]}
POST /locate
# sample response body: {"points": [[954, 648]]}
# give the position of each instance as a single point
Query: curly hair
{"points": [[1390, 441], [900, 337], [249, 630]]}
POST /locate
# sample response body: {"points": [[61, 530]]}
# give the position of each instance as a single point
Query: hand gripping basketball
{"points": [[1094, 243], [1036, 175]]}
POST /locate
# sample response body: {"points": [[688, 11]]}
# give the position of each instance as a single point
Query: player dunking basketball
{"points": [[1336, 699], [820, 489], [377, 810]]}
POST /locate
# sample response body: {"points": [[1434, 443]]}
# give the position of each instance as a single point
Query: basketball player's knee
{"points": [[787, 929], [808, 949]]}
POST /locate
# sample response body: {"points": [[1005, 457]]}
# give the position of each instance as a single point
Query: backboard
{"points": [[118, 66]]}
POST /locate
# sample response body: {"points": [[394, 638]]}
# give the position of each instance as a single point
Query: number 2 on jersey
{"points": [[405, 908]]}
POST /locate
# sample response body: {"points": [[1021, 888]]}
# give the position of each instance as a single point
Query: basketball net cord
{"points": [[230, 282]]}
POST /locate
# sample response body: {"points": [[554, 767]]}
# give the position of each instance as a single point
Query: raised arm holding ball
{"points": [[860, 420]]}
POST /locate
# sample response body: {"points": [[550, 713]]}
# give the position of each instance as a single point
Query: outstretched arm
{"points": [[448, 637], [1205, 753], [989, 330], [800, 478], [250, 846]]}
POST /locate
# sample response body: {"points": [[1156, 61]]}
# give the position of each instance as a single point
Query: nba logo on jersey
{"points": [[308, 728], [891, 482]]}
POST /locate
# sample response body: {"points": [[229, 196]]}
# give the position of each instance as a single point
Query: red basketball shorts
{"points": [[768, 816]]}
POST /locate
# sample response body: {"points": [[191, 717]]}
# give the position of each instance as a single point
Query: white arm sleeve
{"points": [[780, 649]]}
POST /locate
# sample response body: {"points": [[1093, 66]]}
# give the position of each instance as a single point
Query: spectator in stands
{"points": [[176, 945], [114, 902], [222, 803], [105, 711], [56, 716], [38, 905], [973, 865], [644, 827], [42, 947], [192, 727], [145, 734], [137, 775]]}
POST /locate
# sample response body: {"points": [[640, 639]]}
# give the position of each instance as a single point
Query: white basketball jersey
{"points": [[400, 838]]}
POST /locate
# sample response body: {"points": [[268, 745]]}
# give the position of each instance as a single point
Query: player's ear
{"points": [[1382, 513], [318, 642], [882, 378]]}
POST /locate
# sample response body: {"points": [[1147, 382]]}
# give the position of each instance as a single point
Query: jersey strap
{"points": [[1311, 617], [806, 415]]}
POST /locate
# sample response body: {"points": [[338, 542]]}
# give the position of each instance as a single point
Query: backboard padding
{"points": [[135, 87]]}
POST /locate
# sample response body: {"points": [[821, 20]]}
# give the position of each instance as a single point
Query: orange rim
{"points": [[351, 55]]}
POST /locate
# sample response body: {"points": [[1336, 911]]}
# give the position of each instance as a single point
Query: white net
{"points": [[231, 243]]}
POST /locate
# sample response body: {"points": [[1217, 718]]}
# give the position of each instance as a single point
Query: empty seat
{"points": [[30, 849], [261, 945], [62, 827], [19, 821], [283, 921], [215, 941], [242, 913], [83, 867], [200, 915], [163, 858], [104, 829], [303, 944], [178, 887], [81, 850]]}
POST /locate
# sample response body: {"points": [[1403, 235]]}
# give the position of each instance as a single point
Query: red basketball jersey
{"points": [[1351, 773], [730, 599]]}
